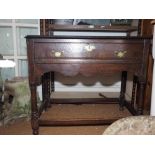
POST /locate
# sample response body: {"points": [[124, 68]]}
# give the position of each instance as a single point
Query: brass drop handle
{"points": [[57, 53], [89, 47], [120, 54]]}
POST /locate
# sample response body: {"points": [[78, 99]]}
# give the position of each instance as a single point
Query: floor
{"points": [[24, 128], [60, 111]]}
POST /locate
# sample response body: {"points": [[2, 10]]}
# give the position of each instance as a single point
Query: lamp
{"points": [[6, 63]]}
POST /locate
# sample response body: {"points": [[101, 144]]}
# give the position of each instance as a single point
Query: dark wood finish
{"points": [[96, 28], [140, 96], [84, 100], [88, 56], [76, 122], [123, 89], [44, 26], [77, 50], [47, 89], [148, 88], [147, 30], [52, 82], [146, 27], [134, 90], [131, 109], [47, 28], [34, 110]]}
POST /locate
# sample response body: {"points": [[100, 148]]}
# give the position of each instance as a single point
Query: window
{"points": [[13, 44]]}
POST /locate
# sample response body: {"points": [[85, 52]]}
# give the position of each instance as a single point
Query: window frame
{"points": [[16, 49]]}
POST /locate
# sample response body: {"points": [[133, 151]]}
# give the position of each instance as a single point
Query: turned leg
{"points": [[35, 123], [134, 90], [34, 110], [123, 89], [52, 82], [43, 89], [46, 90], [140, 97]]}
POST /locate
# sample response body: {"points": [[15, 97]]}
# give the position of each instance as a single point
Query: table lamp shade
{"points": [[6, 63]]}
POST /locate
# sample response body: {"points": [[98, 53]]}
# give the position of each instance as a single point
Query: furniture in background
{"points": [[152, 112], [72, 55], [145, 31], [47, 27]]}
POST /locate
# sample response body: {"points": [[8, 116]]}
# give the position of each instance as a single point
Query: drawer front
{"points": [[109, 51]]}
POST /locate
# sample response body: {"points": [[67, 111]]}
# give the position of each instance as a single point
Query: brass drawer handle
{"points": [[57, 53], [89, 48], [120, 54]]}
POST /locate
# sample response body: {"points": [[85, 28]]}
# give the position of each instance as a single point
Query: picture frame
{"points": [[122, 22]]}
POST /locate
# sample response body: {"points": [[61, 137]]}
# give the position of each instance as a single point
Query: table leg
{"points": [[140, 96], [123, 89], [34, 110], [52, 81], [46, 89], [134, 91]]}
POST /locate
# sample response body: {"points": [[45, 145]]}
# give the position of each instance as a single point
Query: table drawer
{"points": [[88, 50]]}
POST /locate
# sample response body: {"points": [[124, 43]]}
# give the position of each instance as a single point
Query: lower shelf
{"points": [[76, 122], [83, 114]]}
